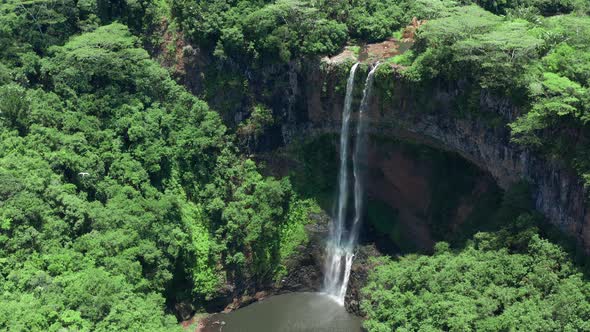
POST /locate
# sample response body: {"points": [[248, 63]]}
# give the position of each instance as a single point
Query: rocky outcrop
{"points": [[305, 268], [437, 116], [363, 264], [304, 274], [306, 97]]}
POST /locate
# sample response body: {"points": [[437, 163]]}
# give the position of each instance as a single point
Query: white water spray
{"points": [[340, 251], [360, 155], [333, 270]]}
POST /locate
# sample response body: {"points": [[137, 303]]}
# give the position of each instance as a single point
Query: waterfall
{"points": [[340, 249], [358, 156], [333, 271]]}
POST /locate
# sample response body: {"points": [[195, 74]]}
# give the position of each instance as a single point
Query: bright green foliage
{"points": [[121, 192], [293, 231], [558, 90], [494, 51], [38, 24], [274, 31], [404, 59], [434, 49], [484, 287], [541, 63], [249, 209], [375, 20], [557, 96], [561, 91], [202, 256], [499, 55], [291, 27], [546, 7], [283, 30], [569, 62]]}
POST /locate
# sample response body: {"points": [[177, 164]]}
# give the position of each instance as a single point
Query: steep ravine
{"points": [[431, 116], [306, 98]]}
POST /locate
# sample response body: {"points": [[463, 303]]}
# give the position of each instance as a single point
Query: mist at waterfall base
{"points": [[342, 241]]}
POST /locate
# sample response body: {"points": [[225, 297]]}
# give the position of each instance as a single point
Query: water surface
{"points": [[288, 313]]}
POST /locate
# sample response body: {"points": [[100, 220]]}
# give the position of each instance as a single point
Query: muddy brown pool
{"points": [[286, 313]]}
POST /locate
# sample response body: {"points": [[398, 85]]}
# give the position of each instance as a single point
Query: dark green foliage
{"points": [[118, 187], [317, 170], [484, 287], [259, 30], [121, 193], [279, 31], [251, 31], [378, 20], [36, 25]]}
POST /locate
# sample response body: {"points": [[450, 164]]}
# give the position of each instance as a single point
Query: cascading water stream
{"points": [[339, 249], [332, 277], [358, 156]]}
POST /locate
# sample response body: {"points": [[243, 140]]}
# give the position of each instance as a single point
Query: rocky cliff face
{"points": [[306, 98], [437, 116], [304, 274]]}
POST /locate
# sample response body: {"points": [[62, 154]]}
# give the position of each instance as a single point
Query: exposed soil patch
{"points": [[402, 184], [345, 55], [171, 49], [467, 203], [384, 50], [410, 31], [371, 53], [419, 196]]}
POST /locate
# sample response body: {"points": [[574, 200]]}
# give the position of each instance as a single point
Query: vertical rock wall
{"points": [[306, 97]]}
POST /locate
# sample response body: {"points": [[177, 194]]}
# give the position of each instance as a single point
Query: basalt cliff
{"points": [[307, 96]]}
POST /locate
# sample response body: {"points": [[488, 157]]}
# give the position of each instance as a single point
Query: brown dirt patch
{"points": [[371, 53], [380, 51], [347, 54]]}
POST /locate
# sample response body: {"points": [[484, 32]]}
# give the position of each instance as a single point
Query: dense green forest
{"points": [[484, 287], [121, 193], [517, 275], [119, 189]]}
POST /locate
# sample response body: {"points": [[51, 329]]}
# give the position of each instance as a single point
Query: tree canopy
{"points": [[121, 192], [484, 287]]}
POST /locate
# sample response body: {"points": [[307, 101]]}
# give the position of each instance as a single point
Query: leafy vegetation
{"points": [[539, 62], [484, 287], [278, 31], [509, 276], [121, 193], [260, 31], [512, 278]]}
